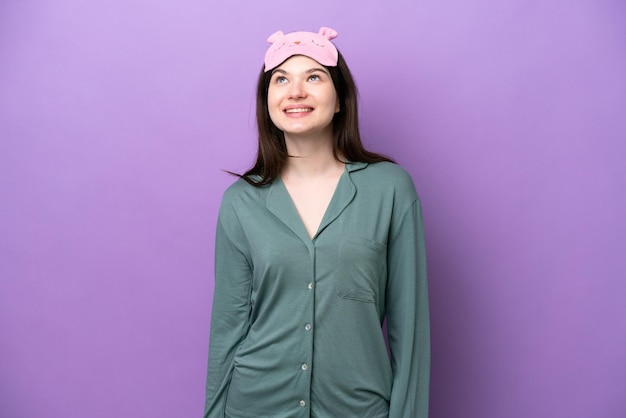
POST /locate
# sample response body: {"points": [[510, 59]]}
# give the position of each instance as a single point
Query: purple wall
{"points": [[116, 117]]}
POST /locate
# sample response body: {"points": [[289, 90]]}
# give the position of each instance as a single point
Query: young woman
{"points": [[316, 245]]}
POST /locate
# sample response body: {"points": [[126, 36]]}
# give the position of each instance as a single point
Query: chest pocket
{"points": [[361, 265]]}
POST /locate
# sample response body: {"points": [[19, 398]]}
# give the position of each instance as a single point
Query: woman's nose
{"points": [[296, 90]]}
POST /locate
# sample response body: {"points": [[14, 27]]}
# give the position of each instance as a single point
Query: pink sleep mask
{"points": [[312, 45]]}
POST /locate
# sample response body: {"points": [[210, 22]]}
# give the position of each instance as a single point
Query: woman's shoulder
{"points": [[241, 190], [388, 174], [387, 168]]}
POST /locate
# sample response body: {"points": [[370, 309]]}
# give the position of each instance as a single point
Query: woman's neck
{"points": [[311, 157]]}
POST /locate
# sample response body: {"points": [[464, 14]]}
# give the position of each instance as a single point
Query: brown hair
{"points": [[272, 151]]}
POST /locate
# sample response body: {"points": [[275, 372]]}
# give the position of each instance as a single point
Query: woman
{"points": [[316, 245]]}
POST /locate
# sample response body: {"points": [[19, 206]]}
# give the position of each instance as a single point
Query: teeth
{"points": [[298, 110]]}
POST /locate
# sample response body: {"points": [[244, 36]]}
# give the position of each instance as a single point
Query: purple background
{"points": [[117, 116]]}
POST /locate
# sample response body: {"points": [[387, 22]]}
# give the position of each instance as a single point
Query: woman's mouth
{"points": [[298, 110]]}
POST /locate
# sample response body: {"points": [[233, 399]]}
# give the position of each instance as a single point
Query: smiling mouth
{"points": [[299, 110]]}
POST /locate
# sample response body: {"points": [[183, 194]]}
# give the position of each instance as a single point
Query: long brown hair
{"points": [[272, 151]]}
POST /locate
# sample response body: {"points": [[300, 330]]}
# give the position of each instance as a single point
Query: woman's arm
{"points": [[408, 320], [230, 312]]}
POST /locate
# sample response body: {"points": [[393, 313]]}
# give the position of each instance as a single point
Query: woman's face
{"points": [[301, 98]]}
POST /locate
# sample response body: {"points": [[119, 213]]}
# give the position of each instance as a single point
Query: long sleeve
{"points": [[230, 312], [408, 319]]}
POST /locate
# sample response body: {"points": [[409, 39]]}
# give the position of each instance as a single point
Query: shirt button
{"points": [[310, 285], [302, 403], [307, 327], [304, 366]]}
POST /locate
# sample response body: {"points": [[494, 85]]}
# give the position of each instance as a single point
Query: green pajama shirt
{"points": [[296, 322]]}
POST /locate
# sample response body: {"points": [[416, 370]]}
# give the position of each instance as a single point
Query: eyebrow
{"points": [[309, 71]]}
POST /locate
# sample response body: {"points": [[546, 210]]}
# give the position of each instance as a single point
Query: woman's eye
{"points": [[314, 77], [281, 80]]}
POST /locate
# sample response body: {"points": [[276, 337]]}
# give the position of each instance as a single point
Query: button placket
{"points": [[308, 326]]}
